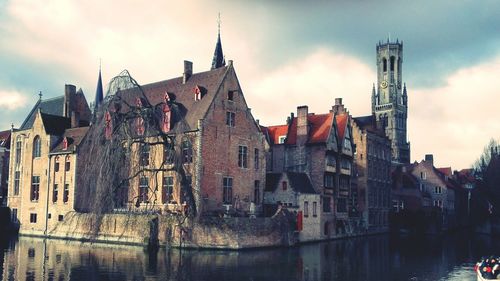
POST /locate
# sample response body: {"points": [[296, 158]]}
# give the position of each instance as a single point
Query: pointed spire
{"points": [[218, 60], [40, 95], [99, 96], [404, 89]]}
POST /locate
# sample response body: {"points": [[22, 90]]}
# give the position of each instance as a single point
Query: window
{"points": [[14, 215], [281, 139], [421, 187], [19, 144], [438, 203], [168, 154], [187, 152], [143, 190], [144, 154], [384, 62], [256, 159], [35, 188], [438, 190], [325, 228], [230, 118], [56, 164], [67, 164], [66, 193], [32, 218], [54, 193], [242, 156], [17, 176], [284, 185], [315, 212], [423, 175], [330, 160], [256, 192], [347, 144], [168, 189], [230, 95], [327, 201], [60, 218], [346, 164], [37, 147], [227, 190], [392, 63], [306, 209], [329, 180], [342, 205]]}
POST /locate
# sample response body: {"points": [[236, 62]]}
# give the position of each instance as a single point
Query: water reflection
{"points": [[370, 258]]}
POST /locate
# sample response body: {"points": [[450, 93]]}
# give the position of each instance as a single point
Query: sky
{"points": [[285, 53]]}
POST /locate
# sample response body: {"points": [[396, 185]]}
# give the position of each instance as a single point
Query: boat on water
{"points": [[487, 270]]}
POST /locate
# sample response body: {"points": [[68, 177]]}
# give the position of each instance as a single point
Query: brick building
{"points": [[321, 146], [4, 165], [32, 178], [215, 148], [373, 163]]}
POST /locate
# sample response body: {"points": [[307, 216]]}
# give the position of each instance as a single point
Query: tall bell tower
{"points": [[390, 100]]}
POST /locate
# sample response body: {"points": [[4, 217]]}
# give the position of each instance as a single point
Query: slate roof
{"points": [[74, 137], [446, 171], [299, 182], [319, 128], [5, 138], [186, 110], [55, 125], [53, 106]]}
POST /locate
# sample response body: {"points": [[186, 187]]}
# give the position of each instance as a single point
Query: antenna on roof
{"points": [[40, 95]]}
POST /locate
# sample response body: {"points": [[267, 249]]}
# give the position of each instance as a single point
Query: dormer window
{"points": [[197, 93], [65, 143], [281, 139]]}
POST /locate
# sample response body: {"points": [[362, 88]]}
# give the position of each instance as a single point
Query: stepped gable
{"points": [[53, 106], [182, 94], [74, 137]]}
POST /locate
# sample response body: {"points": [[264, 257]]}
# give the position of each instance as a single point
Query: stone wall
{"points": [[171, 231]]}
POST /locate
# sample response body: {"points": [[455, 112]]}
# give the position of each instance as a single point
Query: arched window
{"points": [[384, 62], [37, 147], [393, 60]]}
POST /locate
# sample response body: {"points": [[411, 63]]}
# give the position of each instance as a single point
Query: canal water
{"points": [[449, 257]]}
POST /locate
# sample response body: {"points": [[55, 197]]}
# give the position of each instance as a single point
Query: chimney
{"points": [[69, 97], [302, 126], [188, 71], [75, 119], [429, 158]]}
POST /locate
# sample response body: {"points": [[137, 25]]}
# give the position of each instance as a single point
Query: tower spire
{"points": [[218, 59], [99, 96]]}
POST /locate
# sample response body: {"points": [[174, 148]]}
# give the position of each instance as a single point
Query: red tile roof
{"points": [[319, 128], [275, 132], [341, 124], [446, 171]]}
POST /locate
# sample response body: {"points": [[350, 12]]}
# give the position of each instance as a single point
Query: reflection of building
{"points": [[321, 146], [4, 165], [43, 162]]}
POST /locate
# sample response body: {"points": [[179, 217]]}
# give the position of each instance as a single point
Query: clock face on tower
{"points": [[383, 84]]}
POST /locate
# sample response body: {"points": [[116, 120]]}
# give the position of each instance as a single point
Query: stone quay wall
{"points": [[173, 231]]}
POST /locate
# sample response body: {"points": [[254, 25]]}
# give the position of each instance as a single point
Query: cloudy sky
{"points": [[286, 53]]}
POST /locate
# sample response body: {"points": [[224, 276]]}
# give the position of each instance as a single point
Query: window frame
{"points": [[230, 119], [35, 189], [227, 190], [243, 156], [167, 191], [143, 189], [37, 147], [55, 193]]}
